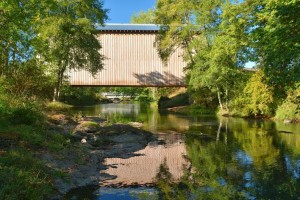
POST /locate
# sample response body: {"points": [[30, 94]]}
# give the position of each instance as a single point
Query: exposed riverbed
{"points": [[196, 157]]}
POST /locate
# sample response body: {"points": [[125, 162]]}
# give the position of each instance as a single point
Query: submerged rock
{"points": [[136, 124], [60, 119], [87, 127], [287, 121]]}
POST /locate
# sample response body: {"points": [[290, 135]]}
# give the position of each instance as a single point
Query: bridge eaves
{"points": [[128, 28]]}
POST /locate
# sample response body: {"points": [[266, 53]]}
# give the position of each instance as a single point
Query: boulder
{"points": [[83, 141]]}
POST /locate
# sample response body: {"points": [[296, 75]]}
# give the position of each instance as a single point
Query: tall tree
{"points": [[67, 31], [214, 35], [143, 17], [16, 34], [277, 41]]}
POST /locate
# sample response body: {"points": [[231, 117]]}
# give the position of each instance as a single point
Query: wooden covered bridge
{"points": [[131, 59]]}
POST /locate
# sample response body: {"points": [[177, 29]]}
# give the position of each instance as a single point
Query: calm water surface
{"points": [[202, 157]]}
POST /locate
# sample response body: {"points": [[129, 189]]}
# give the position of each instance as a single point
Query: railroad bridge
{"points": [[131, 59]]}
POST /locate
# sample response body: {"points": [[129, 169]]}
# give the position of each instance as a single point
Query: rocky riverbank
{"points": [[91, 141]]}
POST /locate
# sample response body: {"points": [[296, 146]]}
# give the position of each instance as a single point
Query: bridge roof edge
{"points": [[128, 27]]}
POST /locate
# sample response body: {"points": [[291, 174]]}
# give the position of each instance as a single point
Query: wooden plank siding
{"points": [[131, 59]]}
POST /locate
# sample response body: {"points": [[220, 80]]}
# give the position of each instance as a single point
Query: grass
{"points": [[34, 136], [58, 106], [194, 110], [23, 177], [90, 124]]}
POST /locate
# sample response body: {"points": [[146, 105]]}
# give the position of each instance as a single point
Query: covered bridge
{"points": [[131, 59]]}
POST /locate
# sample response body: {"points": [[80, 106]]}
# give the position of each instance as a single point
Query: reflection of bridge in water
{"points": [[143, 168], [123, 109], [131, 59], [111, 95]]}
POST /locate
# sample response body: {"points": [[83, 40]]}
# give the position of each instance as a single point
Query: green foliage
{"points": [[4, 106], [68, 39], [16, 33], [28, 113], [20, 110], [29, 80], [200, 110], [34, 136], [258, 96], [57, 106], [212, 49], [219, 37], [23, 177], [277, 41], [289, 109], [179, 100], [90, 124], [144, 96], [166, 91], [57, 34], [80, 95], [203, 97], [143, 17]]}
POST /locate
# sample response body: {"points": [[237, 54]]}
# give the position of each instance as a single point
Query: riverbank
{"points": [[198, 110], [62, 154], [95, 140]]}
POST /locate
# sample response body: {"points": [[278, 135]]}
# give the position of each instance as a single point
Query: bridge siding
{"points": [[132, 60]]}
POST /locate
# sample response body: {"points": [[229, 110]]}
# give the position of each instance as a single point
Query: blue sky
{"points": [[120, 11]]}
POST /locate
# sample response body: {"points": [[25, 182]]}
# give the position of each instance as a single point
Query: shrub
{"points": [[27, 113], [289, 109], [257, 97], [4, 109], [80, 96]]}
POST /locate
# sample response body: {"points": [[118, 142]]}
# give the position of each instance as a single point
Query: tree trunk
{"points": [[57, 88], [226, 131], [219, 130], [58, 84], [219, 99], [226, 104]]}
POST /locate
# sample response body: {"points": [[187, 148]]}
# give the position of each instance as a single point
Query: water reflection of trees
{"points": [[236, 160]]}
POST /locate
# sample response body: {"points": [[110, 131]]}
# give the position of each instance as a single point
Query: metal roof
{"points": [[128, 27]]}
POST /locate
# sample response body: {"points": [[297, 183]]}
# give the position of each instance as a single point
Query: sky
{"points": [[120, 11]]}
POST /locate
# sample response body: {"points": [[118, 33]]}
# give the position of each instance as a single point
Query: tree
{"points": [[67, 31], [178, 27], [143, 17], [258, 96], [16, 34], [211, 47], [277, 43]]}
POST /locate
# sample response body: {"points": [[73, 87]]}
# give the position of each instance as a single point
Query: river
{"points": [[202, 157]]}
